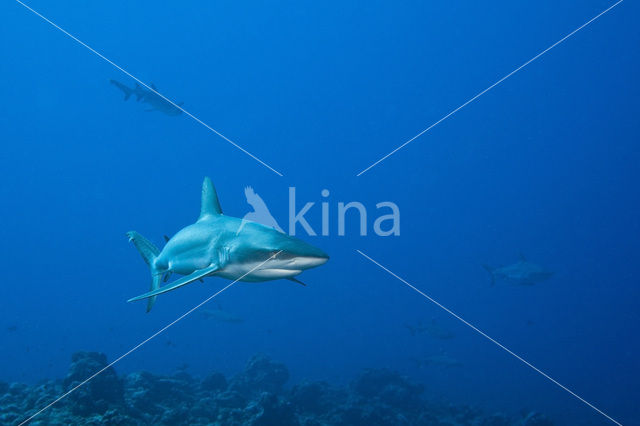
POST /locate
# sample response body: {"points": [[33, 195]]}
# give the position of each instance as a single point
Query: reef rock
{"points": [[255, 397], [97, 395], [389, 387], [260, 375]]}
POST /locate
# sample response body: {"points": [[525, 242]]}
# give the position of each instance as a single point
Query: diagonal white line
{"points": [[492, 340], [71, 36], [490, 87], [136, 347]]}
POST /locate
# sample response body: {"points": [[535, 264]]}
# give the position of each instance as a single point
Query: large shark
{"points": [[213, 247], [522, 272], [151, 97]]}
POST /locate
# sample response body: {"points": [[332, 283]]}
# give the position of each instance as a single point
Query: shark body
{"points": [[214, 246], [442, 361], [522, 272], [432, 329], [221, 315], [150, 97]]}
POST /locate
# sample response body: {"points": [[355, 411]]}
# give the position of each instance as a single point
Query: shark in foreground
{"points": [[213, 246], [155, 101], [522, 272]]}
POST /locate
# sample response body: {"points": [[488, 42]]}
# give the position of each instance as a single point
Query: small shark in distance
{"points": [[221, 315], [212, 246], [522, 272], [432, 329], [441, 361], [151, 97]]}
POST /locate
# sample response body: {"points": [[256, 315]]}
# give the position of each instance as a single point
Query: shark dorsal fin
{"points": [[210, 204]]}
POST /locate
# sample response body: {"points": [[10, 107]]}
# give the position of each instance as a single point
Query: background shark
{"points": [[214, 246], [432, 329], [219, 314], [155, 101], [522, 272]]}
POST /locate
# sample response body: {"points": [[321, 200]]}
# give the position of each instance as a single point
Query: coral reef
{"points": [[257, 396]]}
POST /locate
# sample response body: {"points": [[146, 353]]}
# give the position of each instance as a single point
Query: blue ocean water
{"points": [[545, 165]]}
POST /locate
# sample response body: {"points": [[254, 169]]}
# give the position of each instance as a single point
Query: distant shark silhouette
{"points": [[260, 213], [441, 360], [213, 247], [155, 101], [221, 315], [522, 272], [432, 329]]}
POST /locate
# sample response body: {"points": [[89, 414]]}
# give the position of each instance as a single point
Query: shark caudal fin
{"points": [[126, 90], [149, 252], [490, 270]]}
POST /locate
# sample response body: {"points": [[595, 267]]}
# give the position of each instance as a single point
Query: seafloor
{"points": [[259, 395]]}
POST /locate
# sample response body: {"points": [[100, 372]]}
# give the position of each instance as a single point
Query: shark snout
{"points": [[306, 262]]}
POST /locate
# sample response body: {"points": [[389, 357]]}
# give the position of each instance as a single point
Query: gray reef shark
{"points": [[213, 247], [155, 101], [221, 315], [441, 360], [432, 329], [522, 272]]}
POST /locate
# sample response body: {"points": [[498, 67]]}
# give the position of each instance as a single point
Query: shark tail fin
{"points": [[490, 270], [149, 252]]}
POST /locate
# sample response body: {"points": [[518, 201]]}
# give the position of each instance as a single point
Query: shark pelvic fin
{"points": [[210, 204], [155, 284], [295, 280], [201, 273]]}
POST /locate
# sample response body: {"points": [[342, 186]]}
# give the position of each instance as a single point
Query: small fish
{"points": [[12, 328]]}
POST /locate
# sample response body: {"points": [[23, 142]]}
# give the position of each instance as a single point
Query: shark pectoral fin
{"points": [[178, 283], [491, 271], [295, 280], [126, 90]]}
